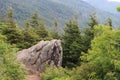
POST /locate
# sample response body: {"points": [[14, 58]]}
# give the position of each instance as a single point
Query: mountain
{"points": [[106, 5], [62, 10]]}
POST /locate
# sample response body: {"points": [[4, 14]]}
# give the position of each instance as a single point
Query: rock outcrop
{"points": [[38, 56]]}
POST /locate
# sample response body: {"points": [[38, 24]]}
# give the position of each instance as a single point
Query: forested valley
{"points": [[90, 53]]}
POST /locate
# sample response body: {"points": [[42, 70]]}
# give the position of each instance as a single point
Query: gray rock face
{"points": [[38, 56]]}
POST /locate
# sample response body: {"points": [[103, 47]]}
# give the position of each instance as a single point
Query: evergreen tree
{"points": [[34, 20], [10, 20], [11, 30], [93, 21], [54, 33], [2, 19], [109, 23], [71, 45], [42, 32], [30, 37], [39, 27], [89, 32]]}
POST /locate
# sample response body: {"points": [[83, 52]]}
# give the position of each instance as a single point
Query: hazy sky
{"points": [[107, 5], [114, 0], [110, 0]]}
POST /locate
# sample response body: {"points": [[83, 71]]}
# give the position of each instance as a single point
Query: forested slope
{"points": [[62, 10]]}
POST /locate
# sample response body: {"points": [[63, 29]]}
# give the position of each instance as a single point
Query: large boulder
{"points": [[38, 56]]}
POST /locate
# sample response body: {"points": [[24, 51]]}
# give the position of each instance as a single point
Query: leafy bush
{"points": [[104, 55], [56, 74], [9, 69], [102, 62]]}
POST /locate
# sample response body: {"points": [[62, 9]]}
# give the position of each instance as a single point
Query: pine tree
{"points": [[93, 21], [71, 45], [42, 32], [30, 37], [109, 23], [11, 30], [54, 33], [10, 15], [89, 32], [34, 20], [39, 27]]}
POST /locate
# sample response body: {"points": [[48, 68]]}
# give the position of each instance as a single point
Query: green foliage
{"points": [[14, 34], [30, 37], [100, 63], [51, 9], [39, 27], [9, 69], [87, 38], [100, 45], [93, 21], [71, 45], [104, 53], [33, 32], [83, 72], [34, 20], [61, 79], [118, 8], [2, 38], [11, 30], [42, 32], [55, 74], [109, 23], [55, 33], [89, 33], [10, 17]]}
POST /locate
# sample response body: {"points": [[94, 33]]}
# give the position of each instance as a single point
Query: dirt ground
{"points": [[33, 77]]}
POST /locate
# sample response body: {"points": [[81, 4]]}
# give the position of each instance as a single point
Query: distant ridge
{"points": [[62, 10], [107, 5]]}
